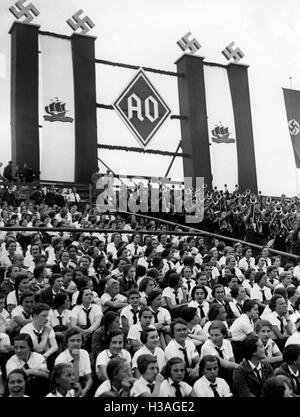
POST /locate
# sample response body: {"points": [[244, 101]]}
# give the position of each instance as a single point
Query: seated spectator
{"points": [[16, 384], [120, 380], [174, 296], [147, 285], [243, 327], [248, 282], [209, 384], [130, 314], [277, 387], [112, 300], [218, 345], [22, 314], [215, 312], [114, 349], [199, 295], [264, 329], [79, 357], [110, 321], [62, 382], [279, 318], [238, 295], [195, 332], [47, 296], [86, 315], [32, 363], [250, 376], [134, 334], [183, 348], [291, 366], [150, 342], [21, 285], [173, 384], [42, 335], [148, 385], [128, 281]]}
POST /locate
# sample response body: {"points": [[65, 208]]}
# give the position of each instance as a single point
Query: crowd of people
{"points": [[156, 314]]}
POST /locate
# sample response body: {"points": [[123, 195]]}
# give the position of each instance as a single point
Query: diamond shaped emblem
{"points": [[141, 108]]}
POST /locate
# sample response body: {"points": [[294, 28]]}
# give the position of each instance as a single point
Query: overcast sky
{"points": [[145, 33]]}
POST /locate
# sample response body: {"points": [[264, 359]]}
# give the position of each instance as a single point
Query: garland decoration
{"points": [[156, 71], [140, 150]]}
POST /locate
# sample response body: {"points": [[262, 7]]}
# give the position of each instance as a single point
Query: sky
{"points": [[145, 33]]}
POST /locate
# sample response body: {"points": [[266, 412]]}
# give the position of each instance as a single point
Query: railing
{"points": [[190, 232]]}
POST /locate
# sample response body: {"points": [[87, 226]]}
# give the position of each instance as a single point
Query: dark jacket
{"points": [[125, 286], [284, 370], [245, 382]]}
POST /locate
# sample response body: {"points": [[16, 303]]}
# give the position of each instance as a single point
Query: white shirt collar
{"points": [[296, 374], [258, 367]]}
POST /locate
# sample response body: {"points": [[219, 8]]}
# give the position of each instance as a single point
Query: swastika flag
{"points": [[292, 105]]}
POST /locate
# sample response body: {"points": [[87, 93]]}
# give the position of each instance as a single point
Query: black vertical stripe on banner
{"points": [[24, 95], [83, 53], [194, 130], [239, 88]]}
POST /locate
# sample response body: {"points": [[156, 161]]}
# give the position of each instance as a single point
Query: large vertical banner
{"points": [[292, 105], [216, 129], [221, 127], [57, 135]]}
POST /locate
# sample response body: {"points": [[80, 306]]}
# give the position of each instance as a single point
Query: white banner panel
{"points": [[221, 128], [57, 136]]}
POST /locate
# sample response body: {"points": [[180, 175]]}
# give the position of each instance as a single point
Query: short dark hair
{"points": [[153, 294], [143, 361], [248, 305], [205, 359], [111, 334], [174, 278], [262, 323], [250, 346], [259, 275], [274, 387], [143, 309], [133, 291], [213, 291], [173, 324], [198, 287], [53, 278], [26, 338], [39, 307], [113, 367], [19, 371], [188, 313], [218, 324], [70, 333], [145, 332], [170, 363], [291, 353], [272, 303], [25, 295], [59, 300], [214, 311]]}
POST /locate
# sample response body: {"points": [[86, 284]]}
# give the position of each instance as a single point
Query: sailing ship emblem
{"points": [[56, 110], [221, 134]]}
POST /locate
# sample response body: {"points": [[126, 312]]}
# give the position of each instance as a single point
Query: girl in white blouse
{"points": [[62, 382], [115, 345]]}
